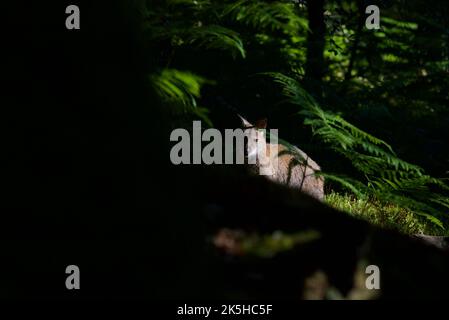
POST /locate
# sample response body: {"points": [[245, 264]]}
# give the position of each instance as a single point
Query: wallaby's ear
{"points": [[245, 122], [261, 124]]}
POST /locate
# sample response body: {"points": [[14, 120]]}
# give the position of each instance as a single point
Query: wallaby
{"points": [[281, 162]]}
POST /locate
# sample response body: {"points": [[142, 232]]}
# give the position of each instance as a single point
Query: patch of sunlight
{"points": [[384, 215]]}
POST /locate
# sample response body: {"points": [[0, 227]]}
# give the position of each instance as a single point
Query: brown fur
{"points": [[297, 170]]}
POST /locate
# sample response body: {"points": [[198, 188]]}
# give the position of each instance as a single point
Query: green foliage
{"points": [[260, 15], [386, 216], [193, 23], [205, 25], [177, 85], [354, 186], [388, 178], [181, 88], [216, 37], [185, 23], [396, 76]]}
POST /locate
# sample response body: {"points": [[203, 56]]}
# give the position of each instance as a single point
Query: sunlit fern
{"points": [[276, 15], [388, 178], [181, 88], [193, 23]]}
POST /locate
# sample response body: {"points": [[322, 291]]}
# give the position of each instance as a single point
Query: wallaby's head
{"points": [[256, 144]]}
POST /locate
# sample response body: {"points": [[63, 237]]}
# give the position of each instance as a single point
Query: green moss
{"points": [[385, 216]]}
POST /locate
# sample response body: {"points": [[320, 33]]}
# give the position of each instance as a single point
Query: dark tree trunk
{"points": [[315, 47], [355, 45]]}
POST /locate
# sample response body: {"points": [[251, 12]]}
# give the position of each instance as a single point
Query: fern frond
{"points": [[194, 23], [417, 207], [352, 185], [271, 16], [389, 178], [216, 37], [180, 86]]}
